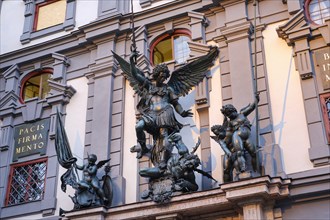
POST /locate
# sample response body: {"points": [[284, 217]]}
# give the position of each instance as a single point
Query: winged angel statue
{"points": [[158, 101]]}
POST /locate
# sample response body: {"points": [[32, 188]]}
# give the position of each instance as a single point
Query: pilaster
{"points": [[104, 118], [297, 33]]}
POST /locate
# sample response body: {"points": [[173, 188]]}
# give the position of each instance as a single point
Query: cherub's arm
{"points": [[224, 147], [141, 79], [247, 110], [79, 167]]}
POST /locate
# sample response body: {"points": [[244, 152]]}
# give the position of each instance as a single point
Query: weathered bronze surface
{"points": [[89, 191], [234, 137], [171, 171]]}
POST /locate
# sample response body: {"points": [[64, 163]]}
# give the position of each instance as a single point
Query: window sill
{"points": [[27, 208], [27, 37]]}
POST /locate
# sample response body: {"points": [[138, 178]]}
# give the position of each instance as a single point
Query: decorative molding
{"points": [[11, 76], [59, 93], [231, 198], [197, 25], [28, 32], [296, 28], [298, 34], [325, 30], [237, 32], [60, 67], [114, 7], [6, 136]]}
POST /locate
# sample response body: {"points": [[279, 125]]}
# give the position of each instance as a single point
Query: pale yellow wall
{"points": [[216, 118], [130, 161], [288, 111], [75, 129]]}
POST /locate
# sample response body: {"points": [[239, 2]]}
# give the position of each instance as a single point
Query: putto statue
{"points": [[89, 191], [234, 137], [158, 102]]}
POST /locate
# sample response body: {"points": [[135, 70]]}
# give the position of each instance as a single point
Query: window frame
{"points": [[36, 15], [178, 32], [12, 167], [325, 115], [307, 12], [29, 32], [29, 76]]}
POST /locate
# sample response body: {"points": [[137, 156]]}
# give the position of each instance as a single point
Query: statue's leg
{"points": [[98, 189], [238, 146], [250, 147], [182, 148], [141, 137], [227, 164], [165, 147]]}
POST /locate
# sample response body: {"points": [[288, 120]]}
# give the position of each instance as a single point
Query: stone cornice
{"points": [[237, 32], [296, 28], [225, 199], [265, 187], [99, 29], [59, 93]]}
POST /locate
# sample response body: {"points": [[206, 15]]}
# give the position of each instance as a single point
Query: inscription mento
{"points": [[31, 139]]}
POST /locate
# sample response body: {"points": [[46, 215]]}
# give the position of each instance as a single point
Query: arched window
{"points": [[35, 84], [317, 10], [171, 47]]}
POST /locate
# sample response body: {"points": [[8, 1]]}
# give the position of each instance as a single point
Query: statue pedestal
{"points": [[248, 199], [256, 196], [98, 213]]}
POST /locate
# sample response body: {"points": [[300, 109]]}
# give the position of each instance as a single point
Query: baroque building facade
{"points": [[56, 56]]}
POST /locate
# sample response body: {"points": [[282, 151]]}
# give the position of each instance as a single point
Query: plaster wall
{"points": [[191, 130], [75, 130], [286, 102], [130, 165], [12, 21], [216, 118]]}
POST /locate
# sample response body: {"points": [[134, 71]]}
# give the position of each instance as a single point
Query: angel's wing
{"points": [[101, 163], [126, 68], [184, 78]]}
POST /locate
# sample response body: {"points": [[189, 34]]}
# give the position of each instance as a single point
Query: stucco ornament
{"points": [[90, 190], [235, 139], [158, 101]]}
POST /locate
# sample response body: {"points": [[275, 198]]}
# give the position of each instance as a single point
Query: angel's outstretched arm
{"points": [[177, 106], [140, 78]]}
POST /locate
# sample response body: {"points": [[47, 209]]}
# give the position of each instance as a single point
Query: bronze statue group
{"points": [[173, 171]]}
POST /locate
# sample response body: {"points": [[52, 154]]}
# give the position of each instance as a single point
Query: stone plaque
{"points": [[323, 61], [31, 138]]}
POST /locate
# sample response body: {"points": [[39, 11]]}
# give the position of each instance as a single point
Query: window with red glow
{"points": [[26, 182], [36, 85], [171, 47]]}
